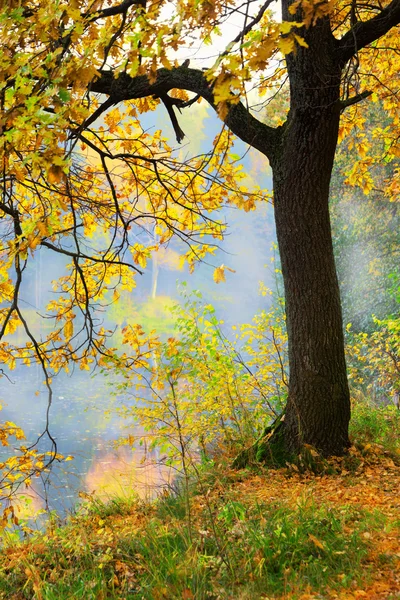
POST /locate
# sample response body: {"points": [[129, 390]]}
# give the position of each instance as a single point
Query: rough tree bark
{"points": [[318, 408], [301, 154]]}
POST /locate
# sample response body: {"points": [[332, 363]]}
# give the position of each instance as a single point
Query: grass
{"points": [[252, 534], [377, 425], [258, 550]]}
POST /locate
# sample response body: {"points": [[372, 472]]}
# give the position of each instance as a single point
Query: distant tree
{"points": [[366, 227], [56, 56]]}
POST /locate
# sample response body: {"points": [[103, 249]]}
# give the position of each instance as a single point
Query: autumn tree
{"points": [[371, 290], [81, 177]]}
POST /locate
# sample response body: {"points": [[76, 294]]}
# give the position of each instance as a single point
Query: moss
{"points": [[270, 448]]}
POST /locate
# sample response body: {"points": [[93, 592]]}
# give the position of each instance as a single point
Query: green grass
{"points": [[270, 550], [378, 425], [232, 550], [118, 506]]}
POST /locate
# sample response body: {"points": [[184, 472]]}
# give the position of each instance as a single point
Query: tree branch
{"points": [[354, 99], [239, 120], [366, 32], [169, 105], [93, 117], [119, 9], [241, 35], [77, 255]]}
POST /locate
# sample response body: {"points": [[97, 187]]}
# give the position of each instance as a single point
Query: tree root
{"points": [[270, 448]]}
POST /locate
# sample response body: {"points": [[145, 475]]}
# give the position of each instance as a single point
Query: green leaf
{"points": [[64, 95]]}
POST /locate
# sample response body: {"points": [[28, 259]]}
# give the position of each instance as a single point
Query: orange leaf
{"points": [[316, 541]]}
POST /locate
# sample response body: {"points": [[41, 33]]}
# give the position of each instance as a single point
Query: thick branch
{"points": [[355, 99], [119, 9], [239, 120], [169, 105], [366, 32]]}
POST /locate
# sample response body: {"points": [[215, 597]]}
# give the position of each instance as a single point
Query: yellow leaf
{"points": [[55, 174], [42, 228], [286, 45], [219, 274], [316, 541], [285, 27], [68, 329], [139, 255], [223, 109], [58, 161], [61, 204], [165, 62], [300, 41], [293, 8]]}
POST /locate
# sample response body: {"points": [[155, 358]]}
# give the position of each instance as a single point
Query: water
{"points": [[82, 427]]}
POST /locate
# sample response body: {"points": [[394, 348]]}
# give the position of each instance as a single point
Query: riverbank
{"points": [[240, 535]]}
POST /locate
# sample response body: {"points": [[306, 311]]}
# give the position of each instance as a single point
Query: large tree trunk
{"points": [[318, 408]]}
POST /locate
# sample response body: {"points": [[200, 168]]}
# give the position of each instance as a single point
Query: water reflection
{"points": [[123, 472]]}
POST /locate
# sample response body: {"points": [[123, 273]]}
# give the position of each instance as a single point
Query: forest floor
{"points": [[239, 535]]}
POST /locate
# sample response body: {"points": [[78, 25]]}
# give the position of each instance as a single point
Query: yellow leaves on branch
{"points": [[6, 289], [288, 40], [9, 429], [19, 468], [219, 273], [370, 356], [232, 71], [85, 363], [140, 255], [360, 176], [199, 387], [312, 10]]}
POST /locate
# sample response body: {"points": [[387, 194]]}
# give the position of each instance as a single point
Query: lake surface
{"points": [[82, 429]]}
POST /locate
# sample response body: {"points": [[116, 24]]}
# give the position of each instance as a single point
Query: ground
{"points": [[242, 535]]}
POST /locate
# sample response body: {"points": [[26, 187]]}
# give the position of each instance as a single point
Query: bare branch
{"points": [[355, 99], [169, 105], [239, 120]]}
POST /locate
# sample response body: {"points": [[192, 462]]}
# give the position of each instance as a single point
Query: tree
{"points": [[324, 46], [57, 56], [370, 291]]}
